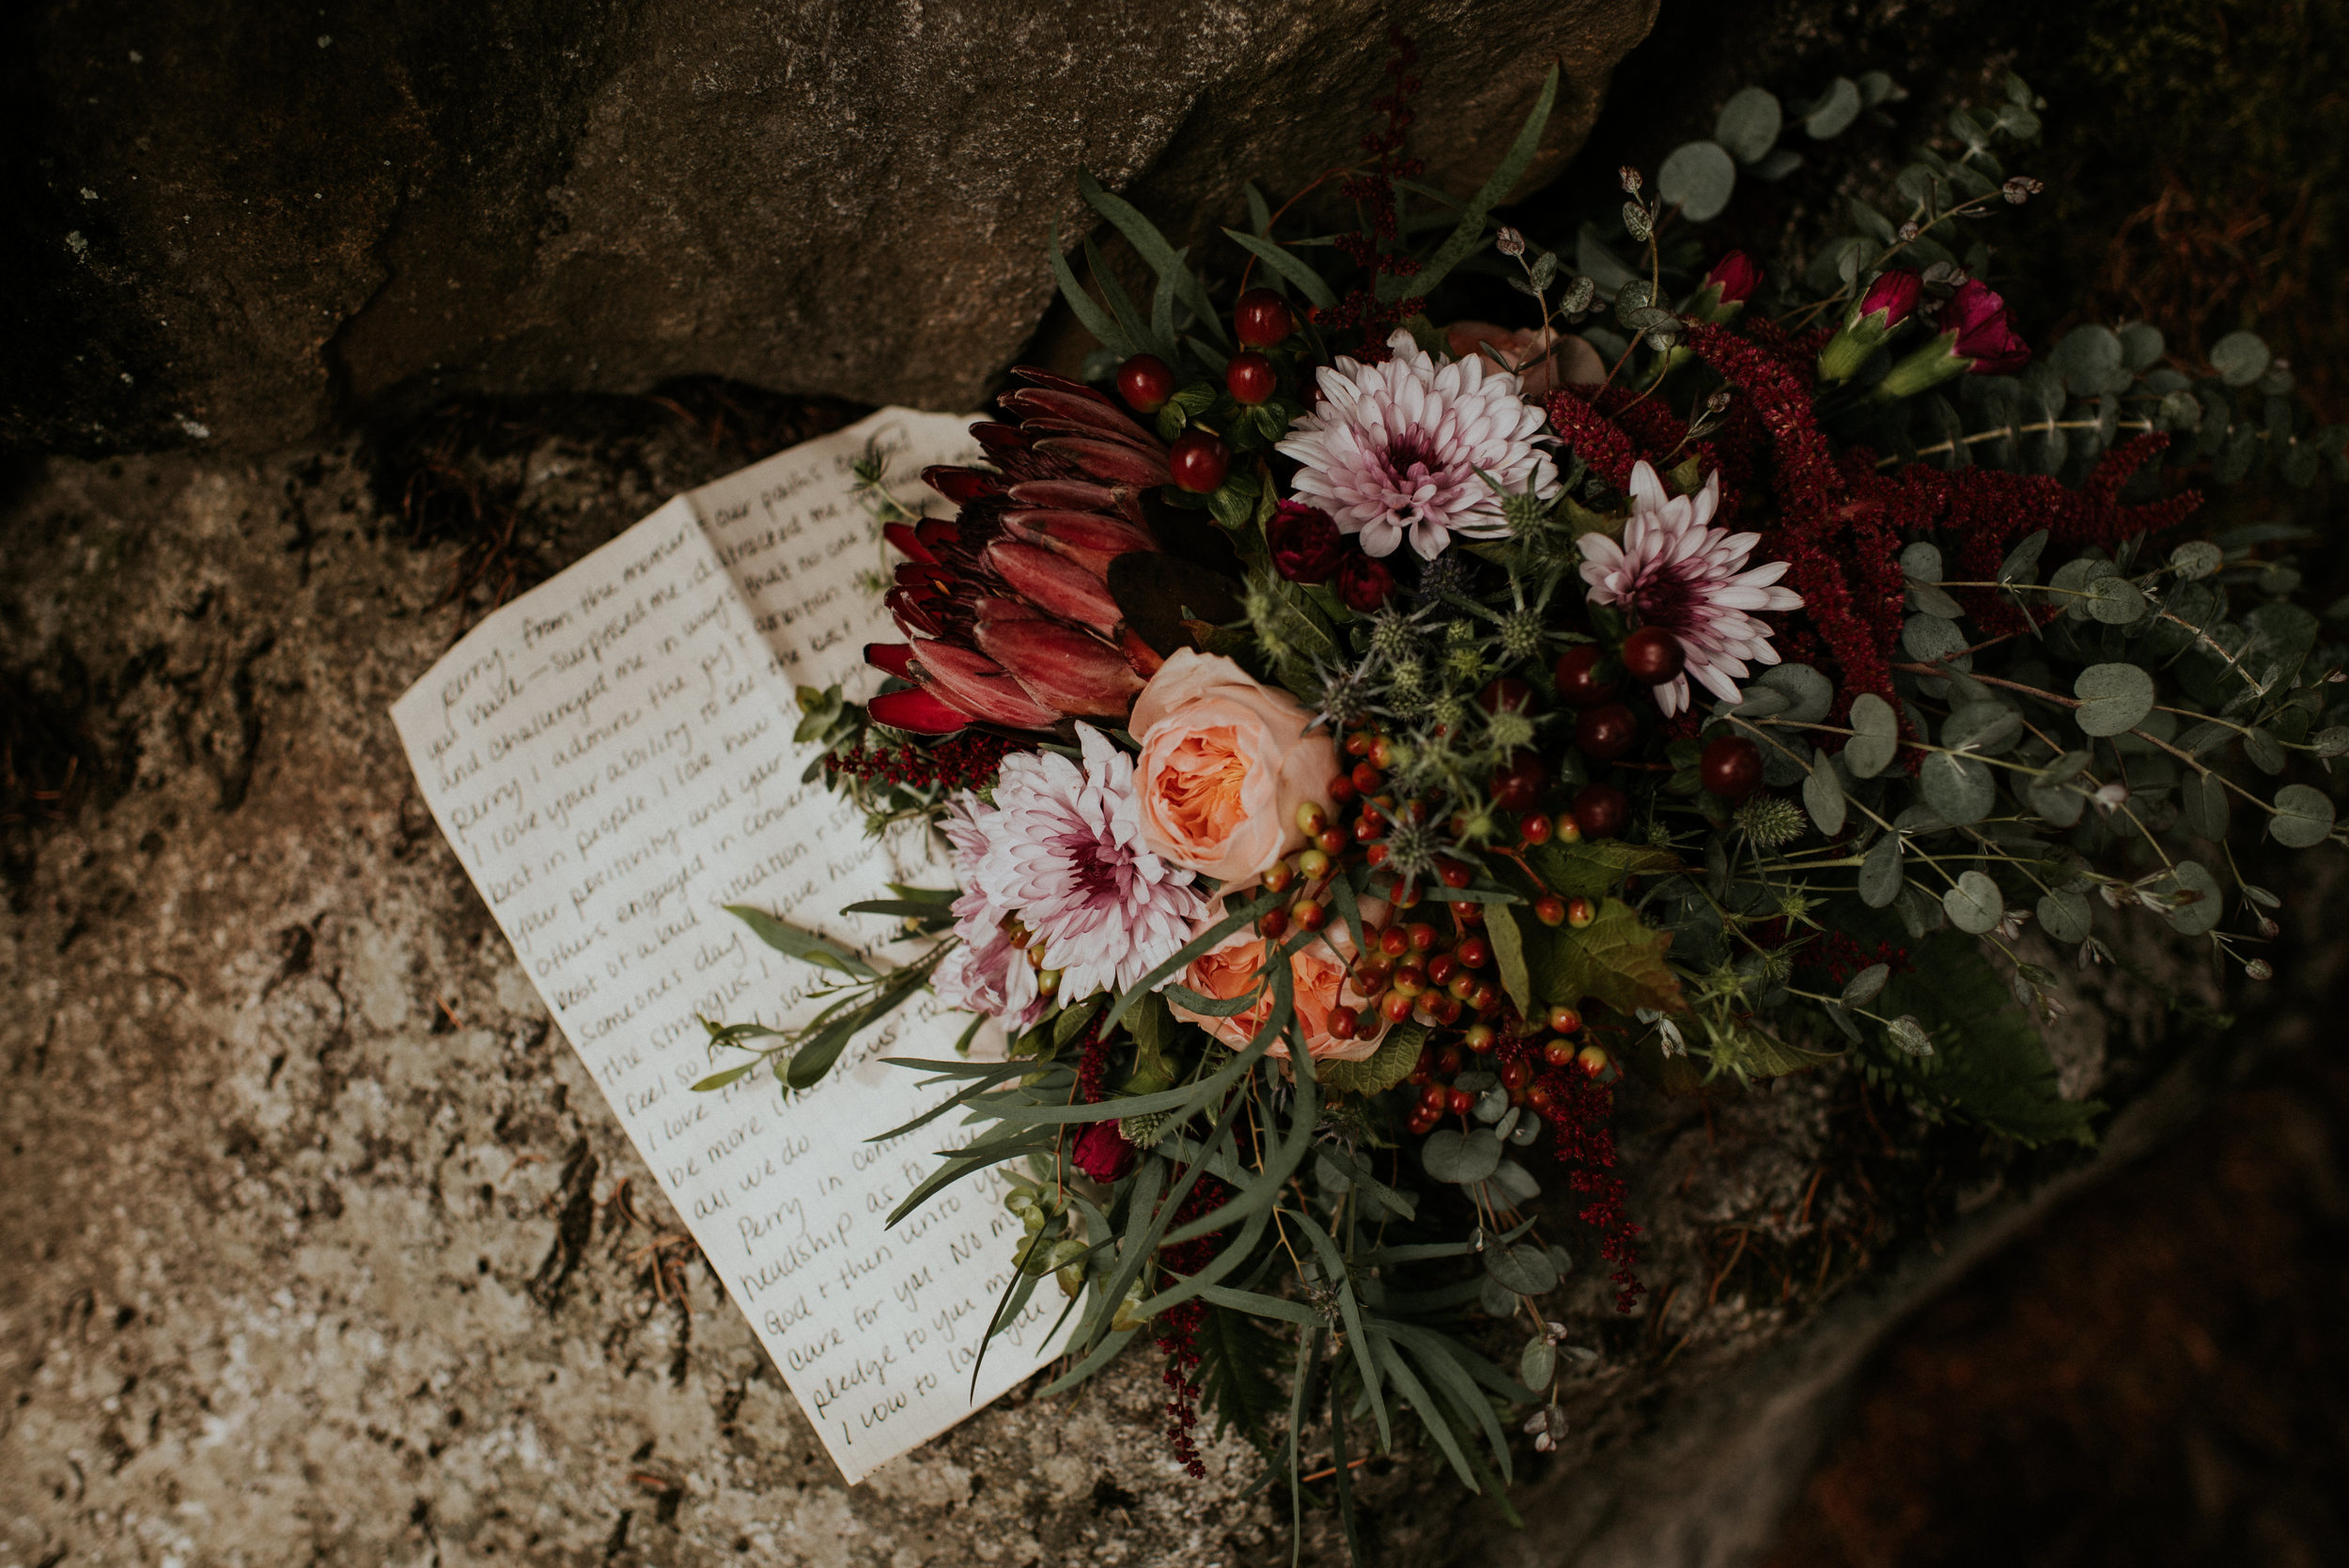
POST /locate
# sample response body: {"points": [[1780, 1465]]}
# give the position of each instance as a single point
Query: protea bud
{"points": [[1890, 299], [1007, 605]]}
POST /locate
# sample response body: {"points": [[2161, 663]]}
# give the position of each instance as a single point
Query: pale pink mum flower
{"points": [[1688, 578], [1064, 852], [1406, 449], [983, 973]]}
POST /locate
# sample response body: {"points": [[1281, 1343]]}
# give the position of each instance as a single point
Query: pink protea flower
{"points": [[1065, 854], [1689, 579], [1405, 449]]}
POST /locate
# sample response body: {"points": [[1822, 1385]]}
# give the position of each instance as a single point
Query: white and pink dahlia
{"points": [[1415, 448], [1689, 579], [1061, 850]]}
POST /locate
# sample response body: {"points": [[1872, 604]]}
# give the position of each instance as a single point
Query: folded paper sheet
{"points": [[610, 757]]}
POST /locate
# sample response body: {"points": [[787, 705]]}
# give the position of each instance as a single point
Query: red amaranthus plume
{"points": [[1007, 604]]}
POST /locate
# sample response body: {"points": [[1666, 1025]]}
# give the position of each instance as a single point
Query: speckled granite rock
{"points": [[324, 1247], [250, 223]]}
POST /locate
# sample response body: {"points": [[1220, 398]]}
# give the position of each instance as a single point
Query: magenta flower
{"points": [[1417, 449], [1892, 298], [1691, 580], [1984, 331], [1103, 1152], [1736, 275], [1306, 546]]}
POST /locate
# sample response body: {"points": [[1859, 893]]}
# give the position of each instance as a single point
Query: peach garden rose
{"points": [[1225, 763], [1319, 973]]}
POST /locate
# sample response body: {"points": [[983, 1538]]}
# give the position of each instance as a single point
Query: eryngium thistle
{"points": [[1770, 821], [1521, 635], [1412, 849], [1393, 635], [1443, 576], [1508, 730]]}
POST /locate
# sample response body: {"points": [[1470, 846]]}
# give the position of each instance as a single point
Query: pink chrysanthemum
{"points": [[1415, 448], [1688, 579], [1062, 850]]}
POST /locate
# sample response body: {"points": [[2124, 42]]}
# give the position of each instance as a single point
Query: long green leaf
{"points": [[1470, 232], [1430, 1414], [1342, 1282], [1145, 238], [1088, 310], [797, 943], [1306, 281], [1120, 302]]}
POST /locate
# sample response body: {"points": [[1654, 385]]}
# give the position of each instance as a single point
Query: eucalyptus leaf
{"points": [[2240, 358], [2022, 562], [1461, 1158], [1809, 694], [1698, 177], [1974, 905], [2202, 900], [1526, 1270], [2303, 816], [1987, 728], [1959, 788], [2265, 752], [1823, 795], [2113, 697], [1880, 873], [2066, 917], [1910, 1037], [1861, 988], [2207, 808], [1748, 124], [2197, 558], [1836, 109], [1871, 751], [2116, 601]]}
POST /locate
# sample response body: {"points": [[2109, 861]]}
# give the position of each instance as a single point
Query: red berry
{"points": [[1262, 319], [1394, 942], [1443, 1008], [1551, 911], [1358, 744], [1652, 655], [1441, 968], [1606, 732], [1732, 766], [1458, 1101], [1274, 923], [1421, 936], [1506, 692], [1602, 811], [1580, 913], [1579, 684], [1341, 1024], [1341, 790], [1199, 461], [1473, 952], [1564, 1020], [1434, 1095], [1558, 1052], [1145, 382], [1250, 379], [1448, 1060], [1516, 1075], [1535, 828], [1397, 1006], [1520, 779], [1461, 986], [1455, 874]]}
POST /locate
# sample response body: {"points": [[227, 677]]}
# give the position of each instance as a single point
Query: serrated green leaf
{"points": [[1388, 1066], [1617, 958]]}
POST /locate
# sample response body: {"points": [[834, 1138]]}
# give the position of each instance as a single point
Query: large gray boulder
{"points": [[245, 224]]}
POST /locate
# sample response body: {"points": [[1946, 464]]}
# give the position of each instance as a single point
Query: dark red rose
{"points": [[1103, 1152], [1306, 545], [1985, 331], [1363, 583], [1736, 275]]}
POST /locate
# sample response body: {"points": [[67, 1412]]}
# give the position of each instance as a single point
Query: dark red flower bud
{"points": [[1306, 545], [1736, 275], [1985, 331], [1363, 583], [1103, 1152], [1893, 296]]}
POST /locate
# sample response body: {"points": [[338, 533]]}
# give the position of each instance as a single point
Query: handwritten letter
{"points": [[610, 757]]}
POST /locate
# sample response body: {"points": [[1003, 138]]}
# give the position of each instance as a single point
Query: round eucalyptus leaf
{"points": [[1861, 988], [2142, 346], [2201, 900], [2331, 741], [2181, 411], [1932, 600], [1928, 638], [1515, 1183], [1538, 1364], [2113, 697], [1760, 702], [2265, 752], [2303, 817], [2203, 799], [2116, 601], [2066, 916], [1779, 164], [1987, 728], [1809, 694], [1959, 789], [2058, 805], [2240, 358], [1526, 1270], [1749, 123], [1975, 905], [1910, 1037], [2086, 358], [1869, 751], [1835, 111], [2197, 558], [1698, 177], [1922, 562], [1461, 1158], [1823, 796], [1880, 873]]}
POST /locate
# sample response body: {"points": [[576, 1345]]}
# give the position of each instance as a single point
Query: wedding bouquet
{"points": [[1365, 746]]}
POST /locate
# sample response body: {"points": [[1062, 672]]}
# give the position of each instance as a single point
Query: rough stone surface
{"points": [[325, 1248], [241, 225]]}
